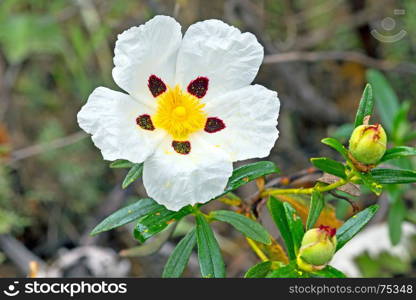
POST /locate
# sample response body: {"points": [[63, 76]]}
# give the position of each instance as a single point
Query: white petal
{"points": [[250, 116], [110, 117], [176, 180], [150, 49], [230, 59]]}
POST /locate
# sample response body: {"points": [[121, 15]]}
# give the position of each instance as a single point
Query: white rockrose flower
{"points": [[190, 110]]}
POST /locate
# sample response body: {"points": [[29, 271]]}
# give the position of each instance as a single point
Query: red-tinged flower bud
{"points": [[368, 144], [317, 249]]}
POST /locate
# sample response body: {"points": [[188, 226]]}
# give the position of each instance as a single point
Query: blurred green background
{"points": [[54, 185]]}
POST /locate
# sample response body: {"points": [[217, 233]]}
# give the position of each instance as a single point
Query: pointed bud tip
{"points": [[328, 230]]}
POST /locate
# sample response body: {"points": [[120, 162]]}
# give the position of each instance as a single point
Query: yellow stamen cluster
{"points": [[179, 113]]}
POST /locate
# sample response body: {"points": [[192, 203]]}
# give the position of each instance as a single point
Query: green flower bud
{"points": [[368, 143], [317, 248]]}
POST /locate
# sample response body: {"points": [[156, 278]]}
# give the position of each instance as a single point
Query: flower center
{"points": [[179, 113]]}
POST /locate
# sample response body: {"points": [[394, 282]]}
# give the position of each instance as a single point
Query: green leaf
{"points": [[209, 253], [243, 224], [295, 225], [329, 166], [121, 163], [329, 272], [335, 144], [158, 220], [396, 215], [315, 208], [410, 137], [134, 173], [371, 183], [389, 176], [278, 214], [401, 124], [354, 224], [386, 99], [289, 271], [366, 106], [179, 258], [343, 132], [249, 172], [398, 152], [18, 33], [127, 214], [259, 271], [150, 247]]}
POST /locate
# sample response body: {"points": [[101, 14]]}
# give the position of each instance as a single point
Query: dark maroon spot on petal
{"points": [[182, 147], [213, 125], [156, 85], [145, 122], [198, 87]]}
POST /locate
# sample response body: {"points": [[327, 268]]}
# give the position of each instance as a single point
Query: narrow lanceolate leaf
{"points": [[249, 172], [329, 272], [259, 271], [401, 125], [329, 166], [134, 173], [389, 176], [366, 105], [180, 256], [158, 220], [385, 97], [127, 214], [243, 224], [121, 163], [315, 208], [396, 215], [295, 225], [398, 152], [336, 145], [409, 137], [278, 214], [354, 224], [209, 253]]}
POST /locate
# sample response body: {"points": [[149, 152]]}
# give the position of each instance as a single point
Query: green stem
{"points": [[308, 191], [257, 250], [197, 211]]}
